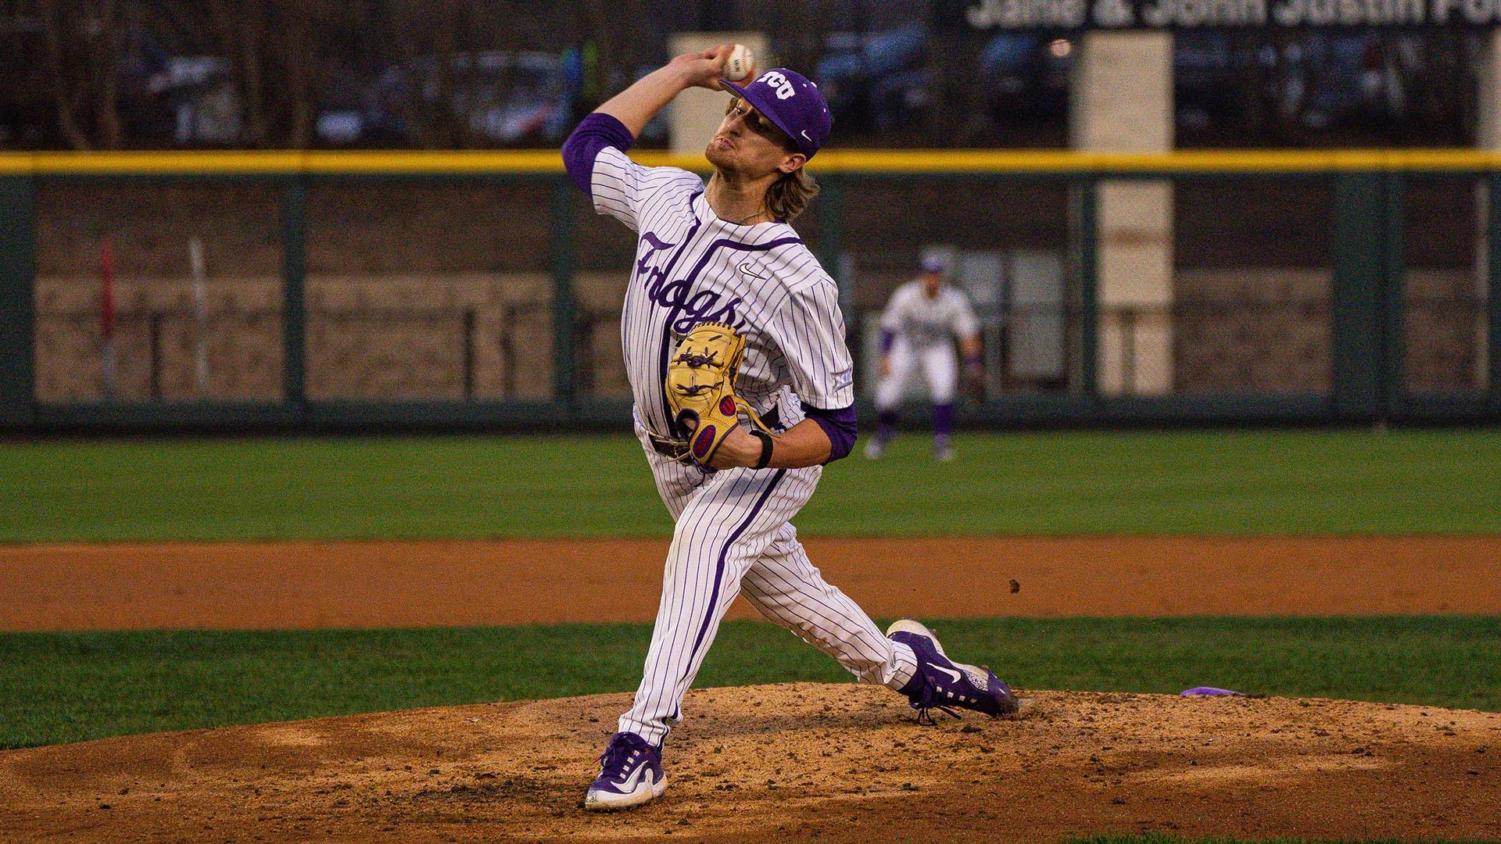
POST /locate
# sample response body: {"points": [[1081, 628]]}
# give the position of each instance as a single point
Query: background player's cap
{"points": [[933, 264], [792, 103]]}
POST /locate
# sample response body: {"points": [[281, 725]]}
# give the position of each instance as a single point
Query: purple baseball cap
{"points": [[792, 103], [933, 265]]}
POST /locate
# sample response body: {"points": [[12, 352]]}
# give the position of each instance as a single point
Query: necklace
{"points": [[743, 221]]}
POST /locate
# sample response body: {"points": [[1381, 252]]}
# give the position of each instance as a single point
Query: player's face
{"points": [[930, 282], [749, 143]]}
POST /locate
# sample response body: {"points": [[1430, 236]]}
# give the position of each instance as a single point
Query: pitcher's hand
{"points": [[702, 69]]}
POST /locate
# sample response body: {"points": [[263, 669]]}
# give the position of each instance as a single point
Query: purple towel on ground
{"points": [[1209, 691]]}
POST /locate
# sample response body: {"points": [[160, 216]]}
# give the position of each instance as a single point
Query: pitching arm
{"points": [[637, 105]]}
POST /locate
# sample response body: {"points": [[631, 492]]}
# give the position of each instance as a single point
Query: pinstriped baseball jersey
{"points": [[693, 267], [926, 322], [732, 535]]}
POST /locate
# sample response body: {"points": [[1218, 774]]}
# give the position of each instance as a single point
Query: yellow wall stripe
{"points": [[830, 161]]}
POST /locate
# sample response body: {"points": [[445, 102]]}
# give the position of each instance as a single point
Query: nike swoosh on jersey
{"points": [[953, 675], [750, 270]]}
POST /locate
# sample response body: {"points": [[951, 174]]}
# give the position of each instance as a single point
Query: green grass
{"points": [[1237, 482], [74, 686]]}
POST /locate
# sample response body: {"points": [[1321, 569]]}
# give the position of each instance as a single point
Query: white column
{"points": [[1122, 101], [695, 114]]}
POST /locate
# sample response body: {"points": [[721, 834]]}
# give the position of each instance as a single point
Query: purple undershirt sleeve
{"points": [[888, 337], [594, 132], [839, 425]]}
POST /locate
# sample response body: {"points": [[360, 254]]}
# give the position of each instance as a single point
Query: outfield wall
{"points": [[469, 336], [460, 290]]}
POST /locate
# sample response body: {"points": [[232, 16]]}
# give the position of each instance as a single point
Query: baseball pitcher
{"points": [[742, 386]]}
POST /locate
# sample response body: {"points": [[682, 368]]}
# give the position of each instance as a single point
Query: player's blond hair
{"points": [[790, 194]]}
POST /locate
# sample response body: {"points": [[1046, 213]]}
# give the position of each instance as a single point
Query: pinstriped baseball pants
{"points": [[733, 537]]}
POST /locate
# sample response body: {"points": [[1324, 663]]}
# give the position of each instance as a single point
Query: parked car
{"points": [[875, 79], [501, 96], [205, 104], [1350, 76], [1207, 74], [1314, 80], [1026, 76]]}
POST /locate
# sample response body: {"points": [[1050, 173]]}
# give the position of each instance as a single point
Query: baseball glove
{"points": [[974, 383], [700, 389]]}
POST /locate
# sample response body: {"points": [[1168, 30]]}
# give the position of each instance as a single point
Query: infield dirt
{"points": [[838, 762], [306, 585]]}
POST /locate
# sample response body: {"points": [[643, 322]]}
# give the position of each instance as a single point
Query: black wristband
{"points": [[766, 447]]}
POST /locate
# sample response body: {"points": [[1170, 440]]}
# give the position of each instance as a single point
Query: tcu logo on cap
{"points": [[779, 82]]}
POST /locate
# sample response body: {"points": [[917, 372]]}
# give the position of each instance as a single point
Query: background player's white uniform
{"points": [[923, 332], [732, 534], [918, 333]]}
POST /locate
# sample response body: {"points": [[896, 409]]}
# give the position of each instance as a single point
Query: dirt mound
{"points": [[839, 761]]}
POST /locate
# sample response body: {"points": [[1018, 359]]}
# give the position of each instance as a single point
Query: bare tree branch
{"points": [[240, 32], [68, 94], [105, 60]]}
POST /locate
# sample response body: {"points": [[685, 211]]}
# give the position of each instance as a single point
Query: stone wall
{"points": [[403, 336], [1269, 330], [1443, 332], [1257, 329], [381, 337], [244, 331]]}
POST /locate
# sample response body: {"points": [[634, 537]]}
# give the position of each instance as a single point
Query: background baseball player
{"points": [[918, 328], [723, 253]]}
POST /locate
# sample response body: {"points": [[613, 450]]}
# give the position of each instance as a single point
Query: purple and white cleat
{"points": [[942, 684], [630, 774]]}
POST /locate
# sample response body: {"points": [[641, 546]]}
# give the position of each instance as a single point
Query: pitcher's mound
{"points": [[771, 762]]}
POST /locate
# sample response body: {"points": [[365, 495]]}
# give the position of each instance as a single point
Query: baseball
{"points": [[740, 64]]}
